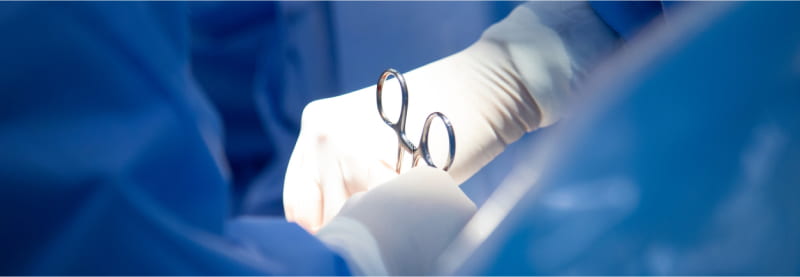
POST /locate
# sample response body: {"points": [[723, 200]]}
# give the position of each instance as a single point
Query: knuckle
{"points": [[312, 112]]}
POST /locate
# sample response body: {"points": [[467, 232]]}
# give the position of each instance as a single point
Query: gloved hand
{"points": [[515, 79], [402, 226], [344, 147]]}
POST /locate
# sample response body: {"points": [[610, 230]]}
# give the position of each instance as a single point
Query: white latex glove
{"points": [[515, 79], [401, 227]]}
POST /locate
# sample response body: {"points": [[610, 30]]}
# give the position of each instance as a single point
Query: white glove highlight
{"points": [[402, 226]]}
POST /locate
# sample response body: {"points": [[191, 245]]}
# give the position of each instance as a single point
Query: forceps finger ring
{"points": [[404, 144]]}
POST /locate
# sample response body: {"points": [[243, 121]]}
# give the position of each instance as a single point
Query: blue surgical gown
{"points": [[681, 160], [111, 158], [126, 126]]}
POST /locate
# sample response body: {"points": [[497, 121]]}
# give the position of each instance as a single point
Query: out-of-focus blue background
{"points": [[125, 126], [682, 159], [261, 63]]}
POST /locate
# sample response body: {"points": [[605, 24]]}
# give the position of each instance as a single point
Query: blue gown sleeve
{"points": [[111, 159], [626, 18]]}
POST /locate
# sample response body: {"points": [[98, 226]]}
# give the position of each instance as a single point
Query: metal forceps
{"points": [[399, 127]]}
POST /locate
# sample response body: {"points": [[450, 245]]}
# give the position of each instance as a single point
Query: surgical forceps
{"points": [[399, 127]]}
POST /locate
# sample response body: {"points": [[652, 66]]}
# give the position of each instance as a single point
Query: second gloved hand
{"points": [[402, 226]]}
